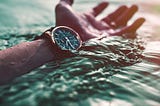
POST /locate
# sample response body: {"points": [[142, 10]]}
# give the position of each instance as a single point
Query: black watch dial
{"points": [[66, 38]]}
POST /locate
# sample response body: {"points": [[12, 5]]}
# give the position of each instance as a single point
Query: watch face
{"points": [[66, 38]]}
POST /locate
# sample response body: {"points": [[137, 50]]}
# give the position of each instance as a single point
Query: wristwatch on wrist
{"points": [[64, 40]]}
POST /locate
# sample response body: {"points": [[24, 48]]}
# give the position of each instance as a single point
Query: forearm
{"points": [[24, 57]]}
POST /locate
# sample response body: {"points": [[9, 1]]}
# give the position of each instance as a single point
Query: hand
{"points": [[89, 27]]}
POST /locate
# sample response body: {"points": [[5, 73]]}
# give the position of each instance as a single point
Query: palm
{"points": [[89, 27]]}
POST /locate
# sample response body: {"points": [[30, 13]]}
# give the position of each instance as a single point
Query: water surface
{"points": [[115, 72]]}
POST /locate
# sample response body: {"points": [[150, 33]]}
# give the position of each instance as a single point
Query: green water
{"points": [[110, 72]]}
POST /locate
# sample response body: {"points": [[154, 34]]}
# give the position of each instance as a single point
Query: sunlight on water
{"points": [[109, 78]]}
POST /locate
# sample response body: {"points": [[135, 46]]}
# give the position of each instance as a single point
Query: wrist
{"points": [[46, 50]]}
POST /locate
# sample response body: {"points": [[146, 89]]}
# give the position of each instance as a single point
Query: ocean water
{"points": [[110, 72]]}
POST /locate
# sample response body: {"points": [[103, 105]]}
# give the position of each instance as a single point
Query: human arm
{"points": [[23, 58]]}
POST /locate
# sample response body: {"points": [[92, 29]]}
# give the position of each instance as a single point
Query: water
{"points": [[104, 75]]}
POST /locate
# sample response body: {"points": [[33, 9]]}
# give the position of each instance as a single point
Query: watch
{"points": [[66, 38]]}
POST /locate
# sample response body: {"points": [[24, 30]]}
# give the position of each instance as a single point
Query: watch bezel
{"points": [[68, 28]]}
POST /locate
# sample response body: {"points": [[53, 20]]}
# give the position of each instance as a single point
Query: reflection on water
{"points": [[97, 79]]}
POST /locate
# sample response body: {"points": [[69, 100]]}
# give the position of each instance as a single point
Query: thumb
{"points": [[70, 2]]}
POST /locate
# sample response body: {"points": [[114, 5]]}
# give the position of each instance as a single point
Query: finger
{"points": [[70, 2], [113, 16], [130, 29], [126, 16], [64, 9], [136, 25], [99, 8], [64, 6]]}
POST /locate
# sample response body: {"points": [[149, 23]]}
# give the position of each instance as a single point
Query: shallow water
{"points": [[100, 78]]}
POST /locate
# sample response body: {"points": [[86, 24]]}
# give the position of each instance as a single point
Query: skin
{"points": [[89, 27], [24, 57]]}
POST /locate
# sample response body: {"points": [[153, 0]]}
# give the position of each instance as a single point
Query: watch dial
{"points": [[66, 38]]}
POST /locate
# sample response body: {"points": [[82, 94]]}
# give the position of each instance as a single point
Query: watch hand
{"points": [[70, 43]]}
